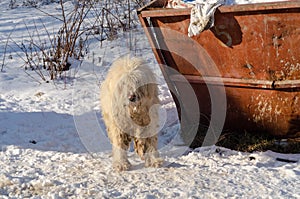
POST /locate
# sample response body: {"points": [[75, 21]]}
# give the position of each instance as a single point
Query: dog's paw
{"points": [[153, 162], [121, 166]]}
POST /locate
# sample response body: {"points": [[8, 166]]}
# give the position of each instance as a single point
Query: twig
{"points": [[122, 24], [129, 15], [48, 14], [5, 49], [32, 77]]}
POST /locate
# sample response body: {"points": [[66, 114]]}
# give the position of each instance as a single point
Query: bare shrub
{"points": [[68, 42], [49, 57], [113, 16]]}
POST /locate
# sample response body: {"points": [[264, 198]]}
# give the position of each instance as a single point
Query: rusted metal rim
{"points": [[167, 12], [235, 82]]}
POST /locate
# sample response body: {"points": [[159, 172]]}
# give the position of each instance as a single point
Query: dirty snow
{"points": [[52, 142]]}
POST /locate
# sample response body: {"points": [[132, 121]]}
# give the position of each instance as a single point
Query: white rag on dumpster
{"points": [[202, 16], [202, 13]]}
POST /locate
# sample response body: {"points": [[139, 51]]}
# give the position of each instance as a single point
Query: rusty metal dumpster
{"points": [[252, 51]]}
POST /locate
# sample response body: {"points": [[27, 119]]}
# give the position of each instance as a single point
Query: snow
{"points": [[53, 142], [232, 2], [200, 174]]}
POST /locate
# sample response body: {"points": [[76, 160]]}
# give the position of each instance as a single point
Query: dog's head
{"points": [[135, 104], [140, 103]]}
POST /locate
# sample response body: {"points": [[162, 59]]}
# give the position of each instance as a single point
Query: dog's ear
{"points": [[151, 90]]}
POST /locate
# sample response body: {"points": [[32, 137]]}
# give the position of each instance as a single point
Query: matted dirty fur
{"points": [[129, 99]]}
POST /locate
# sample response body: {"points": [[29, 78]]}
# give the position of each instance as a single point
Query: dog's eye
{"points": [[133, 98]]}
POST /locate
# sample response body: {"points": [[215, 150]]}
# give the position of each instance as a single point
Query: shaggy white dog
{"points": [[129, 103]]}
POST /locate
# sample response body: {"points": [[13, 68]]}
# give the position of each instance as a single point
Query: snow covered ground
{"points": [[52, 143]]}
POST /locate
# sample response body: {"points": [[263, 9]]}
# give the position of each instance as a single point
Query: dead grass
{"points": [[251, 141]]}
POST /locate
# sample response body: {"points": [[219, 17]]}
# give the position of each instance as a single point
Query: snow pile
{"points": [[232, 2], [44, 151], [204, 173]]}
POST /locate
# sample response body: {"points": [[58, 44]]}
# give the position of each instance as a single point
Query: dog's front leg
{"points": [[146, 148], [120, 161], [120, 142], [152, 159]]}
